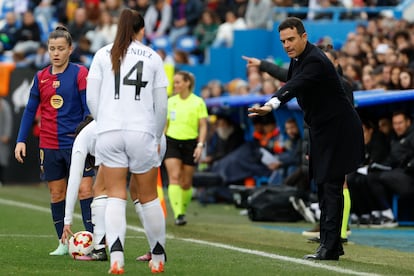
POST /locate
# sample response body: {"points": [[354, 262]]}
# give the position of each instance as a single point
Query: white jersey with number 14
{"points": [[126, 98]]}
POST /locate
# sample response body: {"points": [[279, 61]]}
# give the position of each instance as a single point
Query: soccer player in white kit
{"points": [[126, 94], [83, 149]]}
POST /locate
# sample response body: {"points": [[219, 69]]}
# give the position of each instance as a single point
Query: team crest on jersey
{"points": [[56, 84], [56, 101]]}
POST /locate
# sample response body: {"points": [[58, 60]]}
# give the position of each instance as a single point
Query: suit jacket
{"points": [[336, 137]]}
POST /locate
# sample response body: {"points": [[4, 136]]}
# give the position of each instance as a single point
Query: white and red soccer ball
{"points": [[80, 244]]}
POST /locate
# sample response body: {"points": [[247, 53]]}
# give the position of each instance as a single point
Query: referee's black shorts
{"points": [[181, 149]]}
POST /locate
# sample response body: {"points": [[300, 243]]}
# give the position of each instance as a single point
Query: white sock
{"points": [[388, 213], [154, 225], [98, 208], [138, 210], [115, 225]]}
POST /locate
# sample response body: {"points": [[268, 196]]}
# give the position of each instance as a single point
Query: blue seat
{"points": [[186, 43], [162, 42], [395, 199]]}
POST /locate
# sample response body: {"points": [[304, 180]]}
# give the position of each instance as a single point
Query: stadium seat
{"points": [[162, 42], [186, 43], [395, 207]]}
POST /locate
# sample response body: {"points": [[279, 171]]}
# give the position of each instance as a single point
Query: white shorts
{"points": [[163, 149], [127, 149]]}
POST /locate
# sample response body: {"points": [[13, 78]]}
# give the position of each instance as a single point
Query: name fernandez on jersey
{"points": [[136, 52]]}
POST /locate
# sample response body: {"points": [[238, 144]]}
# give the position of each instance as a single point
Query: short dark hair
{"points": [[292, 23]]}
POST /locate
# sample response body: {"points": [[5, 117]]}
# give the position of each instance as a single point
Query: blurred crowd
{"points": [[25, 24]]}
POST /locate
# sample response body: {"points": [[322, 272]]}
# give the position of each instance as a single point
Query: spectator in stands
{"points": [[385, 126], [354, 73], [82, 52], [259, 14], [395, 78], [140, 6], [288, 161], [27, 36], [158, 19], [225, 32], [406, 57], [251, 159], [205, 32], [216, 88], [8, 32], [369, 82], [205, 92], [396, 175], [270, 86], [186, 14], [227, 137], [254, 80], [376, 151], [114, 7], [42, 58], [44, 13], [80, 25], [406, 79], [181, 57], [401, 39], [93, 10], [238, 86], [104, 32], [6, 127], [391, 56]]}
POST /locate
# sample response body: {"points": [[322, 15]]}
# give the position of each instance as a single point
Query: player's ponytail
{"points": [[61, 31], [129, 24]]}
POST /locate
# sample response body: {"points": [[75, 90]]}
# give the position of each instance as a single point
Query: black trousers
{"points": [[362, 201], [384, 184], [331, 202]]}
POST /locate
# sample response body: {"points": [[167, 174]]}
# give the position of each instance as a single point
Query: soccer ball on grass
{"points": [[81, 243]]}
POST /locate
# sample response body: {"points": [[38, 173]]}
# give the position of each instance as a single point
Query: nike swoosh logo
{"points": [[43, 81], [88, 169]]}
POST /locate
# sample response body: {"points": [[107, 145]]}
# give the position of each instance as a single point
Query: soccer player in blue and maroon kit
{"points": [[59, 91]]}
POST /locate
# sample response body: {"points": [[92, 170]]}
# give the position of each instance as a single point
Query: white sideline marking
{"points": [[214, 244]]}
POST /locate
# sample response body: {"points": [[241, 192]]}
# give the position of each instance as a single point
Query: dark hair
{"points": [[83, 124], [403, 113], [129, 24], [187, 76], [292, 23], [409, 52], [328, 48], [401, 33], [61, 31]]}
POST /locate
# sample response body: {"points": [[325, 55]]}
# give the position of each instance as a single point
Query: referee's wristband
{"points": [[200, 145]]}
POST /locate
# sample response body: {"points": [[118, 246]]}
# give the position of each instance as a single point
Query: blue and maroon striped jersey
{"points": [[62, 101]]}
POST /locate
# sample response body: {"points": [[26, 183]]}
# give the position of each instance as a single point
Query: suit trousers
{"points": [[331, 202]]}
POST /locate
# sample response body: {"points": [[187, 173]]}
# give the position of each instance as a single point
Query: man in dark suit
{"points": [[336, 138]]}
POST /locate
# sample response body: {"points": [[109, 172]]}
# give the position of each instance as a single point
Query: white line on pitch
{"points": [[214, 244]]}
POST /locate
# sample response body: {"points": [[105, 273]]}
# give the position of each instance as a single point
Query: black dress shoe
{"points": [[314, 257], [323, 254]]}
